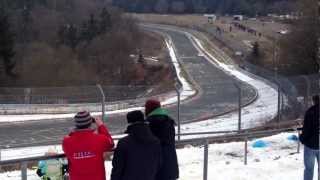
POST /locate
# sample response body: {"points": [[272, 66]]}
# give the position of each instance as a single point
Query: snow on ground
{"points": [[278, 161]]}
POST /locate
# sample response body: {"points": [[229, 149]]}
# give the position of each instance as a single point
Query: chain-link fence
{"points": [[72, 99], [291, 95]]}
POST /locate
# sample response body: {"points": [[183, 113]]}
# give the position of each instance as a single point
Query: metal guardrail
{"points": [[228, 136]]}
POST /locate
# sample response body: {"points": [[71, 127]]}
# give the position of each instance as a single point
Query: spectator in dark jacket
{"points": [[310, 138], [138, 155], [162, 126]]}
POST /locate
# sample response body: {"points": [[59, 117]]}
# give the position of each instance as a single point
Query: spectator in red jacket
{"points": [[85, 149]]}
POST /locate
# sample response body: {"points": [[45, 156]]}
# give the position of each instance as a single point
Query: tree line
{"points": [[246, 7], [65, 40], [299, 49]]}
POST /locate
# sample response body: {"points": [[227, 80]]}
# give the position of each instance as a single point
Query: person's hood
{"points": [[159, 111], [141, 133]]}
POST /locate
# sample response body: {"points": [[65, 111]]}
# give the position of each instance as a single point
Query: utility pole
{"points": [[318, 58], [275, 57], [275, 66]]}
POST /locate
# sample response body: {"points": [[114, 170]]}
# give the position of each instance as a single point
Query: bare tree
{"points": [[300, 47]]}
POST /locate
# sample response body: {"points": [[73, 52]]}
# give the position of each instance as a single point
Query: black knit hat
{"points": [[135, 116], [83, 119]]}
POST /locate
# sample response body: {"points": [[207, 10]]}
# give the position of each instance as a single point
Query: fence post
{"points": [[103, 100], [24, 174], [0, 159], [179, 124], [27, 95], [306, 100], [205, 160], [240, 98], [239, 104], [245, 151], [279, 105], [298, 147]]}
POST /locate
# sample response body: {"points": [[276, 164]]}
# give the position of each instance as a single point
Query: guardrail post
{"points": [[24, 167], [245, 151], [178, 112], [205, 161], [102, 101]]}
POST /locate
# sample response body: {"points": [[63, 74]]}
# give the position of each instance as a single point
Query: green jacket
{"points": [[159, 111]]}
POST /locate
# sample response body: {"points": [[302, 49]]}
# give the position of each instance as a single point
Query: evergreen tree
{"points": [[105, 21], [84, 33], [90, 29], [72, 38], [68, 35], [256, 49], [6, 43], [26, 22]]}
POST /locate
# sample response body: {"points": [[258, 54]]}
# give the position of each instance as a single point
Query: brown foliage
{"points": [[299, 48]]}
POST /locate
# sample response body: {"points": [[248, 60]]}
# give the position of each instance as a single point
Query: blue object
{"points": [[293, 138], [260, 144]]}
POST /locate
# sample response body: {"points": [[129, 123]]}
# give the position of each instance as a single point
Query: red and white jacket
{"points": [[84, 150]]}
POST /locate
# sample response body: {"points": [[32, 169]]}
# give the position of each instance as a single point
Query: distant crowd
{"points": [[148, 151]]}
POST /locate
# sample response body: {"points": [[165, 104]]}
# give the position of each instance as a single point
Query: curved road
{"points": [[218, 94]]}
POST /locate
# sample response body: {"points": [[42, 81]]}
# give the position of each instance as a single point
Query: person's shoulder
{"points": [[124, 141], [312, 109], [67, 137]]}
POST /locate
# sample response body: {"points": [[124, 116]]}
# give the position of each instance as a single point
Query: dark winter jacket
{"points": [[310, 130], [137, 156], [162, 126]]}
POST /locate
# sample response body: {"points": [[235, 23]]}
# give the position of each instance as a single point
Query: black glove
{"points": [[39, 172], [65, 168]]}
